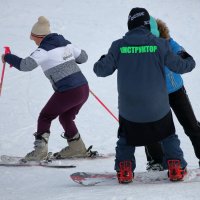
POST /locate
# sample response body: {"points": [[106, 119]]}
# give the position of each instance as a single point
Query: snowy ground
{"points": [[92, 25]]}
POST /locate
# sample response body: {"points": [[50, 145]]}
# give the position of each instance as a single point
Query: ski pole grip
{"points": [[7, 50]]}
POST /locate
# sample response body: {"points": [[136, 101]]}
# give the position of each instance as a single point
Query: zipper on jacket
{"points": [[173, 82]]}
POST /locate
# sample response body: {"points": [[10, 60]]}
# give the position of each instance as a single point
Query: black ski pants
{"points": [[182, 108]]}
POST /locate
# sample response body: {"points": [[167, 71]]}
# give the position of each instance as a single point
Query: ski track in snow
{"points": [[92, 25]]}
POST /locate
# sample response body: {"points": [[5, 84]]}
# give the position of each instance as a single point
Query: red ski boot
{"points": [[125, 174], [175, 172]]}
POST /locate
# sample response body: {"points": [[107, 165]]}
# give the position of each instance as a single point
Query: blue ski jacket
{"points": [[173, 80], [139, 59]]}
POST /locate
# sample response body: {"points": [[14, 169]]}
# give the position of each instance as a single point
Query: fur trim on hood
{"points": [[163, 29]]}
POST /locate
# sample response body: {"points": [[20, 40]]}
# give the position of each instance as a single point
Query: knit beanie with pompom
{"points": [[41, 27]]}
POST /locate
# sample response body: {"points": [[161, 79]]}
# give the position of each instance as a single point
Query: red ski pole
{"points": [[7, 50], [2, 76], [104, 105]]}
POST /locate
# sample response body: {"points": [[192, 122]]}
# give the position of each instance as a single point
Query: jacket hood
{"points": [[163, 29], [52, 41], [137, 36]]}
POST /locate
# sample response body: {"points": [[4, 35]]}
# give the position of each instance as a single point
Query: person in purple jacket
{"points": [[59, 61], [179, 102]]}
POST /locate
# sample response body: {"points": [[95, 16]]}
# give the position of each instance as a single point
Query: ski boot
{"points": [[154, 166], [175, 173], [125, 174], [41, 148], [76, 148]]}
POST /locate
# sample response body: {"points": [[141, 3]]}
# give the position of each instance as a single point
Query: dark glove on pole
{"points": [[7, 50]]}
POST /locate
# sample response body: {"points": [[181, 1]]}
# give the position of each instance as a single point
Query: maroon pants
{"points": [[66, 105]]}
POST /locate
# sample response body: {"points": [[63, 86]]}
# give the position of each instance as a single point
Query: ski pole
{"points": [[2, 77], [104, 106], [7, 50]]}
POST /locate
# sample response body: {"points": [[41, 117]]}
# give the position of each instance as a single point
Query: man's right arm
{"points": [[107, 64]]}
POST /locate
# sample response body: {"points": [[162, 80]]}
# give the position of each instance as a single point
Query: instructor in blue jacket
{"points": [[144, 112]]}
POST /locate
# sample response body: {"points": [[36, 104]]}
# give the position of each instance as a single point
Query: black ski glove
{"points": [[102, 57], [184, 54]]}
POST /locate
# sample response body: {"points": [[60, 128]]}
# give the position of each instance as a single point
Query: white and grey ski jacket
{"points": [[58, 59]]}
